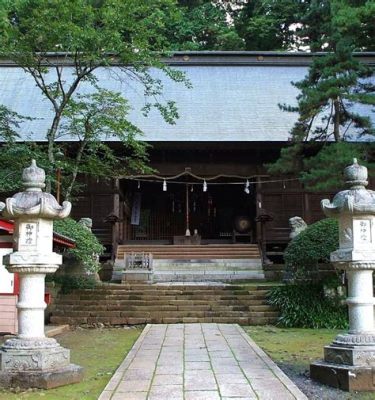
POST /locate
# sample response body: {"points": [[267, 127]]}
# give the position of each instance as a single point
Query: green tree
{"points": [[315, 25], [9, 123], [269, 24], [14, 158], [335, 101], [92, 120], [87, 35], [202, 25]]}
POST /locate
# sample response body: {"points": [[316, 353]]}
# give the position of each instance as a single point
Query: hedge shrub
{"points": [[306, 305], [70, 283], [87, 247], [311, 247]]}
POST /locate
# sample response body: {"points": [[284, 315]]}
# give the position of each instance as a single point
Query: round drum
{"points": [[242, 224]]}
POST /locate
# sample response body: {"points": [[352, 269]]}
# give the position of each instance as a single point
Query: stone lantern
{"points": [[31, 359], [349, 362]]}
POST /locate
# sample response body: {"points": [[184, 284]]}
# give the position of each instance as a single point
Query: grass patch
{"points": [[296, 348], [98, 351]]}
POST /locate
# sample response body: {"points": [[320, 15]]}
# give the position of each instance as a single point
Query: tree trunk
{"points": [[51, 136], [75, 171], [336, 120]]}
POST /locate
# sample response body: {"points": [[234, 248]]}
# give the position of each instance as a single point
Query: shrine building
{"points": [[210, 185]]}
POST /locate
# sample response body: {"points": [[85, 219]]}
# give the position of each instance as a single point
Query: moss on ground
{"points": [[298, 347], [98, 351], [293, 349]]}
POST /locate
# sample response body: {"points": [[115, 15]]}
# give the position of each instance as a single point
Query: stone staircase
{"points": [[189, 263], [112, 304]]}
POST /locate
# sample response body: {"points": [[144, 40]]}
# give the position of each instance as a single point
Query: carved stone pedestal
{"points": [[347, 367], [40, 363], [344, 377]]}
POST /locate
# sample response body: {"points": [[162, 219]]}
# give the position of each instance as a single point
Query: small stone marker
{"points": [[349, 362], [32, 360]]}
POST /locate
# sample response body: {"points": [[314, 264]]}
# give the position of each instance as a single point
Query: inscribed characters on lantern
{"points": [[363, 229], [28, 234]]}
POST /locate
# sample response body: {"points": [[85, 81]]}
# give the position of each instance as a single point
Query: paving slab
{"points": [[198, 362]]}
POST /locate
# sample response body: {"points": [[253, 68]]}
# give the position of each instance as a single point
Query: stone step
{"points": [[142, 303], [105, 318], [161, 290], [164, 320], [165, 311], [185, 246], [177, 302], [208, 276], [191, 299], [198, 256], [134, 286], [189, 252], [162, 307], [242, 265], [88, 299], [147, 310], [203, 247]]}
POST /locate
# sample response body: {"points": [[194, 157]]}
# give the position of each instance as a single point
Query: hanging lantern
{"points": [[204, 186], [164, 186], [247, 187]]}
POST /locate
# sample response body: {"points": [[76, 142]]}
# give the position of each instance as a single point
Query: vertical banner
{"points": [[136, 209]]}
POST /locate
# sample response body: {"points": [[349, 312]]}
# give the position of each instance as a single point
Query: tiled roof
{"points": [[226, 103]]}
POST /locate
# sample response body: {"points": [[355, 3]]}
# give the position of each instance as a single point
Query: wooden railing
{"points": [[158, 226]]}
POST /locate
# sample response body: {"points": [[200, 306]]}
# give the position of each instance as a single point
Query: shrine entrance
{"points": [[161, 211]]}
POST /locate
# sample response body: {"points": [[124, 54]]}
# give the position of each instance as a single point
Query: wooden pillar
{"points": [[187, 215], [259, 206], [116, 211], [306, 208]]}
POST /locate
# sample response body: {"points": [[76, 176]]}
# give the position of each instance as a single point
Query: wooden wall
{"points": [[99, 200], [286, 199]]}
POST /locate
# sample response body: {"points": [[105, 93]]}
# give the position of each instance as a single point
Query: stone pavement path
{"points": [[198, 362]]}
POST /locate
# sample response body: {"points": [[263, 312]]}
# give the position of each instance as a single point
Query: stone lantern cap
{"points": [[357, 199], [33, 202]]}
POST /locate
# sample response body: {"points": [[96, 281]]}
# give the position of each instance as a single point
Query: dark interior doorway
{"points": [[212, 213]]}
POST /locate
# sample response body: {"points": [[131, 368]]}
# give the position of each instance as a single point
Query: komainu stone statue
{"points": [[297, 225]]}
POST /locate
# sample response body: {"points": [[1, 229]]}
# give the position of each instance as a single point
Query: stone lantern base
{"points": [[42, 364], [346, 367]]}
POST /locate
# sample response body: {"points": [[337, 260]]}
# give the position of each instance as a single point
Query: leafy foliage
{"points": [[93, 120], [267, 24], [87, 248], [335, 158], [89, 35], [14, 158], [320, 165], [336, 97], [334, 82], [202, 25], [9, 122], [311, 247], [70, 283], [305, 305]]}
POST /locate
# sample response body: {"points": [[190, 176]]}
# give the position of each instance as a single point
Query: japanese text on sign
{"points": [[28, 234], [363, 228]]}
